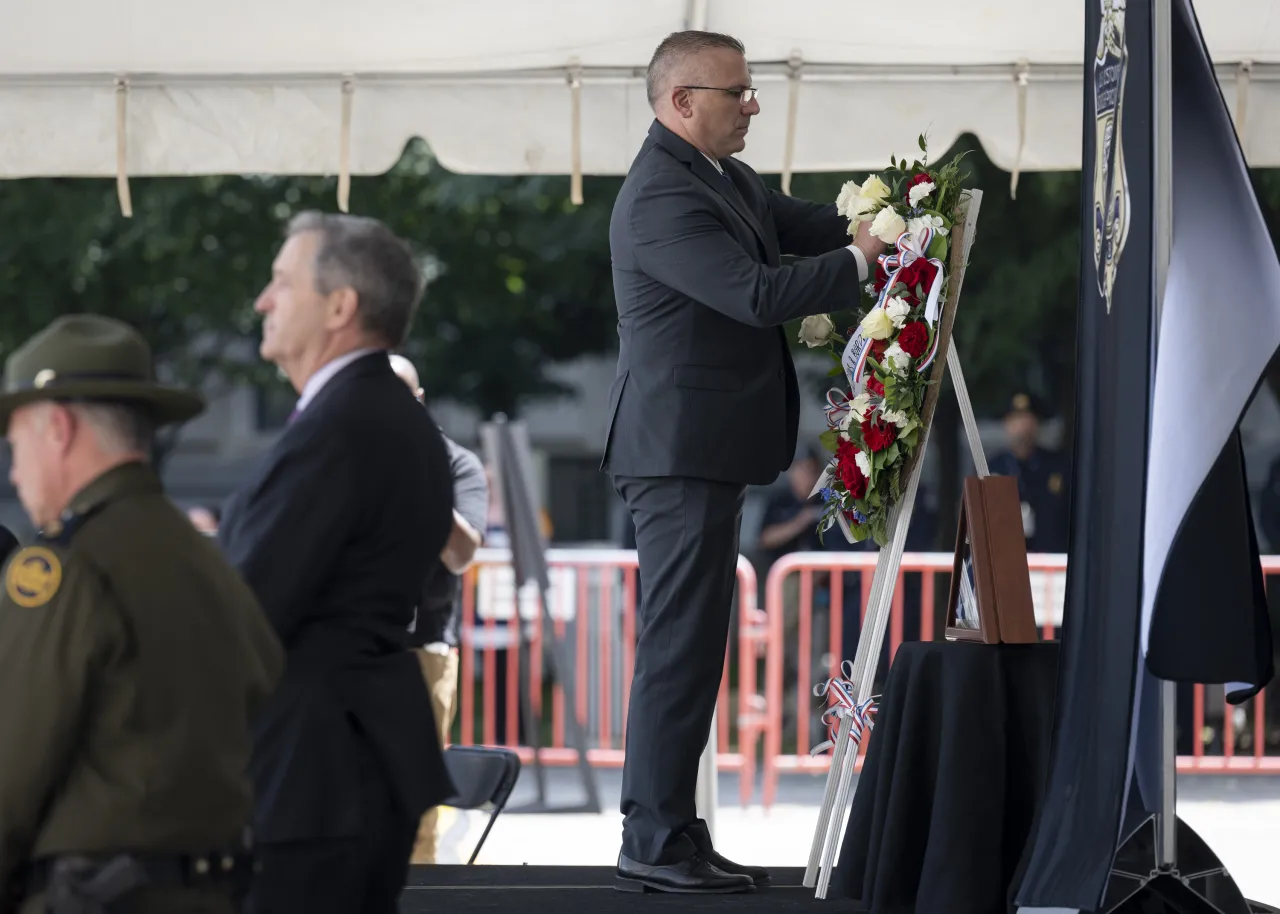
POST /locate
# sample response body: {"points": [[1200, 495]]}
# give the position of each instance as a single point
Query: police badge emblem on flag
{"points": [[1110, 182]]}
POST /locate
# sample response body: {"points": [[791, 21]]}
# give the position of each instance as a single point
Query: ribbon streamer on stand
{"points": [[846, 705]]}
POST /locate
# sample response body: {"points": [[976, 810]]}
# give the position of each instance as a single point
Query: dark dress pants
{"points": [[363, 874], [687, 540]]}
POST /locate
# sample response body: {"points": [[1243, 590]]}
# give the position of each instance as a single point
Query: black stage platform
{"points": [[587, 890]]}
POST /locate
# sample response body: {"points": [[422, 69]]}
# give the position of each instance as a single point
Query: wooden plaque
{"points": [[990, 599]]}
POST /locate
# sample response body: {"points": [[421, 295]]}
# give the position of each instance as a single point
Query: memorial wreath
{"points": [[874, 425]]}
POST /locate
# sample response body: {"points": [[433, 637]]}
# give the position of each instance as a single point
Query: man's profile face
{"points": [[38, 445], [292, 308], [717, 122]]}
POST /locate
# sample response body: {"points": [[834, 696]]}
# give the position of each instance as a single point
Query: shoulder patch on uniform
{"points": [[34, 576]]}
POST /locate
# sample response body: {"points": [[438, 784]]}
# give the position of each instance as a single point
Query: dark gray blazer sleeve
{"points": [[679, 240], [805, 228]]}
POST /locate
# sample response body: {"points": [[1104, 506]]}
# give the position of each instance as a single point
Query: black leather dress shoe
{"points": [[693, 875], [757, 874]]}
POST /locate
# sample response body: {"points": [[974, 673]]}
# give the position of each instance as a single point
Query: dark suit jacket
{"points": [[705, 385], [334, 535]]}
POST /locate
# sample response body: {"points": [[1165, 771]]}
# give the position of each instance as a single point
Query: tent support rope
{"points": [[793, 101], [1023, 76], [575, 132], [344, 147], [122, 147]]}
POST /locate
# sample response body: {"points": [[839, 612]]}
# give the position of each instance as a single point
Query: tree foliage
{"points": [[518, 277]]}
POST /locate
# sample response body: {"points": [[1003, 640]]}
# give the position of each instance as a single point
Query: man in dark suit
{"points": [[335, 534], [705, 403]]}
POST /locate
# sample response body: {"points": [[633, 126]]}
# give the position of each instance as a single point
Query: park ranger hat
{"points": [[90, 357]]}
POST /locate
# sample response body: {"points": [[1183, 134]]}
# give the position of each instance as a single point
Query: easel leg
{"points": [[839, 789]]}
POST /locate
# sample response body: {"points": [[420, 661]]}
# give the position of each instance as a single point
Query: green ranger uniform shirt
{"points": [[132, 657]]}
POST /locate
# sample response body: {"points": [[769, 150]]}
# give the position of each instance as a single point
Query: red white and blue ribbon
{"points": [[840, 692], [837, 407], [910, 248]]}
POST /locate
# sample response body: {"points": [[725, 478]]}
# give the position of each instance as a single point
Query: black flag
{"points": [[1163, 562], [1081, 815]]}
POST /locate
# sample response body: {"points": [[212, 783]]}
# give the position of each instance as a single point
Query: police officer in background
{"points": [[435, 629], [132, 656], [1043, 483]]}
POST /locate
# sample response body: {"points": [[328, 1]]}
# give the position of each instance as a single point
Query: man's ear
{"points": [[341, 307], [682, 102]]}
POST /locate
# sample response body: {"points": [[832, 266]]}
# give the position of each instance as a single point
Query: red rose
{"points": [[875, 385], [918, 273], [847, 466], [914, 339], [922, 178], [881, 276], [878, 347], [878, 435]]}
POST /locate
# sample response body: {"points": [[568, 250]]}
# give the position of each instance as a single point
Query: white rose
{"points": [[859, 406], [875, 190], [888, 225], [897, 309], [918, 224], [876, 325], [919, 192], [850, 192], [862, 209], [897, 416], [872, 197], [896, 359], [863, 462], [816, 330]]}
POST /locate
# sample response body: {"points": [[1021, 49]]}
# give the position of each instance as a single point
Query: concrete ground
{"points": [[1238, 817]]}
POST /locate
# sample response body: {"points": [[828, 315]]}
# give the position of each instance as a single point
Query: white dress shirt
{"points": [[863, 272], [325, 374]]}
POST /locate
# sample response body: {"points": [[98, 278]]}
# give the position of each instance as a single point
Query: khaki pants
{"points": [[441, 674]]}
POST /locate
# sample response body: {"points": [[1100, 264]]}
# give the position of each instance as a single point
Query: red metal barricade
{"points": [[593, 607], [792, 712]]}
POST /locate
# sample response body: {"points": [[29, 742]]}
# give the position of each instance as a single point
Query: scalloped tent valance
{"points": [[174, 87]]}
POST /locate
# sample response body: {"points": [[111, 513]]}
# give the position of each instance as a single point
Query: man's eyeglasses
{"points": [[745, 96]]}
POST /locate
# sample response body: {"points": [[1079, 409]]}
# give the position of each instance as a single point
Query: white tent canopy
{"points": [[172, 87]]}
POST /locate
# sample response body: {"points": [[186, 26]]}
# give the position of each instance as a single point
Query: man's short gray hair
{"points": [[676, 48], [364, 254], [120, 427]]}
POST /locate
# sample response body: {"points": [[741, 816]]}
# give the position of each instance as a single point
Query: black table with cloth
{"points": [[952, 780]]}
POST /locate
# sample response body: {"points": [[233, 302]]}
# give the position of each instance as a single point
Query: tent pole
{"points": [[1162, 103]]}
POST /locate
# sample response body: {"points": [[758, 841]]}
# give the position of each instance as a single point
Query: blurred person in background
{"points": [[1042, 475], [435, 628], [336, 533]]}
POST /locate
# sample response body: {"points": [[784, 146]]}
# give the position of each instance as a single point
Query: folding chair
{"points": [[483, 777]]}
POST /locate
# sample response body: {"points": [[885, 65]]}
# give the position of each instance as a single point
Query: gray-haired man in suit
{"points": [[705, 403]]}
